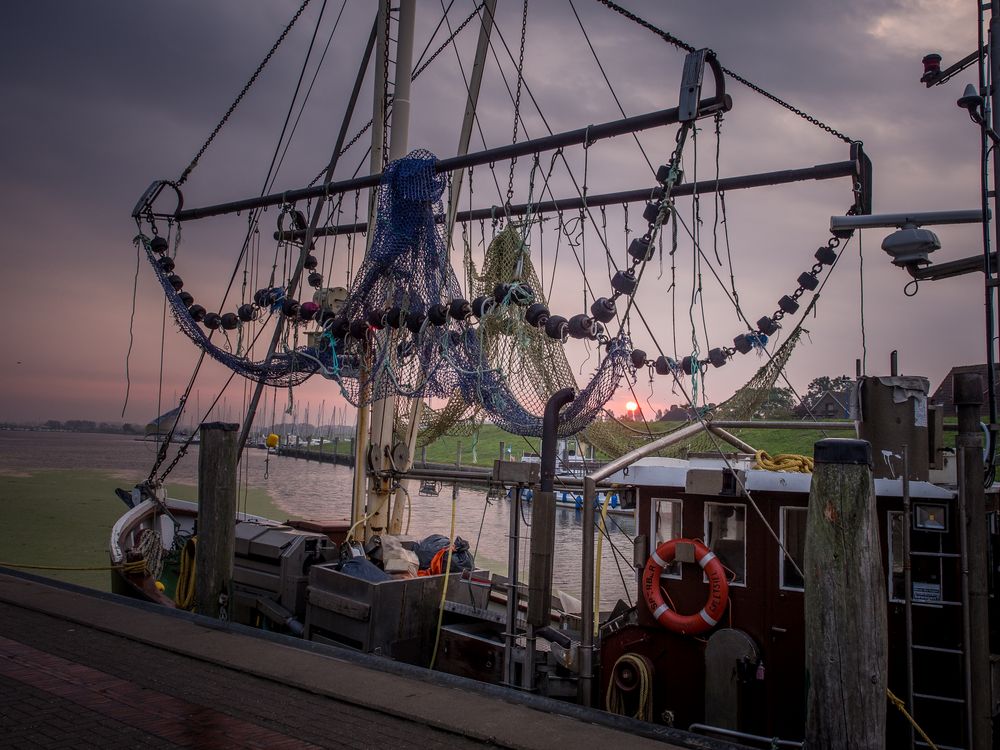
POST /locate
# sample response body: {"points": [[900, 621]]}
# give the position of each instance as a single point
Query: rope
{"points": [[671, 39], [133, 567], [184, 596], [151, 548], [447, 572], [789, 462], [898, 703], [615, 701], [597, 562], [243, 92]]}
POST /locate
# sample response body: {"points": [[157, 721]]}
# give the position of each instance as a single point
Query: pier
{"points": [[81, 668]]}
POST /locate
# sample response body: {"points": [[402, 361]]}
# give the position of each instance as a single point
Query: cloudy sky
{"points": [[100, 98]]}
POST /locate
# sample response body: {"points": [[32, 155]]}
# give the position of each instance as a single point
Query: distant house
{"points": [[833, 405], [944, 395]]}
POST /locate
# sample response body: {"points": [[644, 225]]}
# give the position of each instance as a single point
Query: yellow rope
{"points": [[615, 703], [792, 462], [447, 572], [898, 703], [132, 567], [184, 595]]}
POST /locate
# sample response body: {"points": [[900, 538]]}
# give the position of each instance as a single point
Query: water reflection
{"points": [[318, 490]]}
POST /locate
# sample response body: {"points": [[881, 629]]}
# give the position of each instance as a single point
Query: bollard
{"points": [[217, 491], [845, 608]]}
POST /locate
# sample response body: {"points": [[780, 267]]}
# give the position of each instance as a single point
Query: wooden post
{"points": [[217, 490], [458, 455], [968, 395], [845, 608], [423, 455]]}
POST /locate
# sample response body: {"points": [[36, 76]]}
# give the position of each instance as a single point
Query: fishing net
{"points": [[615, 438], [534, 364], [501, 368], [287, 368]]}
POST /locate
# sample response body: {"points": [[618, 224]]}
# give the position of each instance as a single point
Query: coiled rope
{"points": [[615, 701], [788, 462]]}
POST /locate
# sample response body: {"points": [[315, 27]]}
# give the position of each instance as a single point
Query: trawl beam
{"points": [[589, 134], [741, 182]]}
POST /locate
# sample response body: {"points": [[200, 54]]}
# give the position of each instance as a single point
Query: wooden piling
{"points": [[217, 491], [845, 608]]}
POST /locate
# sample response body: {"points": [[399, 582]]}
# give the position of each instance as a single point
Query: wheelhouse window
{"points": [[793, 539], [725, 535], [668, 525]]}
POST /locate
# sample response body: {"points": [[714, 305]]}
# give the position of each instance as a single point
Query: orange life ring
{"points": [[718, 589]]}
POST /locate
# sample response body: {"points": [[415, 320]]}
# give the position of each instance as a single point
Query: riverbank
{"points": [[61, 519], [483, 448]]}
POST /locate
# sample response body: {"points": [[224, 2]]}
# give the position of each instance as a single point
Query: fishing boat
{"points": [[421, 352]]}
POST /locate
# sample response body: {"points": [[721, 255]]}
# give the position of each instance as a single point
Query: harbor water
{"points": [[309, 489]]}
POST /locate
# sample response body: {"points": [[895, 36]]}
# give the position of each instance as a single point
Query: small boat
{"points": [[574, 500]]}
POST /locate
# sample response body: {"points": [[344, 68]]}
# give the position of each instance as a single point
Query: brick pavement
{"points": [[117, 673], [67, 686]]}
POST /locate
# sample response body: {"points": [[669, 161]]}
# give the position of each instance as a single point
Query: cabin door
{"points": [[783, 667]]}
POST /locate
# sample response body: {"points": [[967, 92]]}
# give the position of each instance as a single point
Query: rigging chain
{"points": [[517, 97], [225, 118], [671, 39], [421, 69]]}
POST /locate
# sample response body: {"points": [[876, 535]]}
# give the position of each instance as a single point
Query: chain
{"points": [[181, 452], [367, 126], [517, 97], [385, 83], [439, 50], [671, 39], [194, 162], [826, 256]]}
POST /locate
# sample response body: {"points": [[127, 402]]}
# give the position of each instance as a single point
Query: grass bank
{"points": [[62, 519], [484, 447]]}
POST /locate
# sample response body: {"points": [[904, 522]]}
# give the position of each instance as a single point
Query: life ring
{"points": [[718, 589]]}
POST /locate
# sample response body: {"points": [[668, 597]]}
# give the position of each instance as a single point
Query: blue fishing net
{"points": [[407, 267]]}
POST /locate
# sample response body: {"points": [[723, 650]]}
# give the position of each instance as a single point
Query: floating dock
{"points": [[82, 668]]}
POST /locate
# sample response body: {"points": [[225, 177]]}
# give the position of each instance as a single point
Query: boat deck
{"points": [[80, 668]]}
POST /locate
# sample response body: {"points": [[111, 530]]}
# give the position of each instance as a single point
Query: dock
{"points": [[82, 668]]}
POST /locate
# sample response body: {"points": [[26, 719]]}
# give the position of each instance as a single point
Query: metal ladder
{"points": [[921, 642]]}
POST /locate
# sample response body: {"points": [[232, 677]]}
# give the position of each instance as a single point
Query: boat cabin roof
{"points": [[677, 473]]}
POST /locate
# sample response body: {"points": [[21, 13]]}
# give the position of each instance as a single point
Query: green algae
{"points": [[62, 519]]}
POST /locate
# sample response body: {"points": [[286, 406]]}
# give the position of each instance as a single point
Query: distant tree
{"points": [[676, 413], [779, 403], [80, 425], [819, 386], [130, 429], [54, 424]]}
